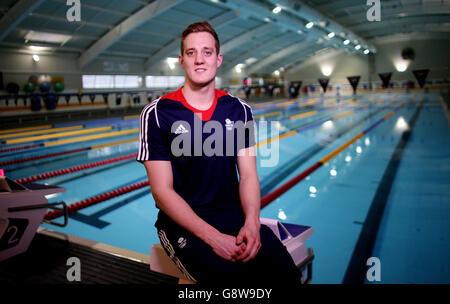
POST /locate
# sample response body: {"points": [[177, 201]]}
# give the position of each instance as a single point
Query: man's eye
{"points": [[190, 53], [208, 53]]}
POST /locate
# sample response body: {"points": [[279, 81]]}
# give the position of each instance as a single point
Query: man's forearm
{"points": [[249, 193], [181, 213]]}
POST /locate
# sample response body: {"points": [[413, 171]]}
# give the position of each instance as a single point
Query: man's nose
{"points": [[199, 58]]}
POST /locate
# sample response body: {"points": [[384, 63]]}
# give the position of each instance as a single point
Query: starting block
{"points": [[291, 235], [22, 209]]}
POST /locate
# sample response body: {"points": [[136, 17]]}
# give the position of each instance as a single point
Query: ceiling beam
{"points": [[315, 59], [173, 46], [408, 28], [276, 56], [241, 39], [294, 57], [367, 26], [262, 47], [302, 10], [16, 14], [143, 15], [417, 35]]}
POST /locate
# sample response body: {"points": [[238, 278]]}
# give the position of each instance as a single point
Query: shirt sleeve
{"points": [[247, 138], [153, 142], [250, 134]]}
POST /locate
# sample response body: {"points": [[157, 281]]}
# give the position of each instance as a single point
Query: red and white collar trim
{"points": [[205, 115]]}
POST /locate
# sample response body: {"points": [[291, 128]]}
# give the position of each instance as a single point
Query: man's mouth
{"points": [[200, 70]]}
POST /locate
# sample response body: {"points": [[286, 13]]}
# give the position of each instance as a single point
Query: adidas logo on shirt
{"points": [[181, 130]]}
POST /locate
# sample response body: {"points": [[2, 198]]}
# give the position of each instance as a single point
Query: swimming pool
{"points": [[386, 193]]}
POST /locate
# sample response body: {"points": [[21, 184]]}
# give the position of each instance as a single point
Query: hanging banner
{"points": [[421, 75], [67, 98], [385, 78], [294, 88], [324, 83], [354, 80]]}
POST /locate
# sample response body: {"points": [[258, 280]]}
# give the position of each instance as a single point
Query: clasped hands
{"points": [[243, 247]]}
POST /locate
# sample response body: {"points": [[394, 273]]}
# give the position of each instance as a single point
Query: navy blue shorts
{"points": [[272, 264]]}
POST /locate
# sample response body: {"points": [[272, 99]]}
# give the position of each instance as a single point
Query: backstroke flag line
{"points": [[385, 78], [421, 75]]}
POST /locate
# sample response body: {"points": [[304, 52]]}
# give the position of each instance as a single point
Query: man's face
{"points": [[199, 59]]}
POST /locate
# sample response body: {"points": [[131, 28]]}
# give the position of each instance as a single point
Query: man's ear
{"points": [[219, 60], [180, 60]]}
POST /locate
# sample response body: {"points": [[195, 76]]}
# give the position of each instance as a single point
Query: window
{"points": [[123, 81], [164, 81], [110, 81]]}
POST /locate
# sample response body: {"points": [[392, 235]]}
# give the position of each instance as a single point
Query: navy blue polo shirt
{"points": [[202, 147]]}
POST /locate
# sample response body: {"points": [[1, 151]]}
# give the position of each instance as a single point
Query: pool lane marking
{"points": [[90, 137], [267, 114], [26, 129], [298, 130], [274, 179], [288, 185], [356, 269], [55, 130], [23, 160], [115, 143], [131, 117], [63, 134]]}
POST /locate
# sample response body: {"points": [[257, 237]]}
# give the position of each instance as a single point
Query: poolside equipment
{"points": [[22, 209], [58, 87], [45, 87], [29, 87], [291, 235]]}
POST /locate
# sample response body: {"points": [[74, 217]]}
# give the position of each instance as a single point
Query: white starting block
{"points": [[22, 209], [292, 236]]}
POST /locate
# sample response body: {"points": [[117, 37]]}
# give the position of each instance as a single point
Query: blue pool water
{"points": [[388, 192]]}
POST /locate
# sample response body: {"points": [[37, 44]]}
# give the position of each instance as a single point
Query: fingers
{"points": [[252, 245], [240, 237], [253, 253]]}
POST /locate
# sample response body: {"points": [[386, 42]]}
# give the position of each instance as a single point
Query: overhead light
{"points": [[276, 10], [36, 58], [300, 32], [238, 67], [366, 52], [39, 48], [357, 47], [267, 19], [326, 70], [47, 37], [401, 65], [346, 41], [250, 60], [309, 25], [331, 35], [276, 73]]}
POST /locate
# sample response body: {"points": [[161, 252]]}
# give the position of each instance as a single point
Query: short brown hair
{"points": [[197, 27]]}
